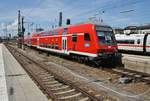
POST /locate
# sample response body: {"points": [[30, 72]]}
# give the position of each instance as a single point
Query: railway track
{"points": [[133, 75], [136, 76], [55, 87]]}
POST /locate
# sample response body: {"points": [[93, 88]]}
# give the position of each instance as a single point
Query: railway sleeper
{"points": [[46, 76], [60, 88], [71, 97], [69, 93], [64, 92], [50, 77], [43, 73], [55, 85], [50, 81], [84, 99], [46, 80]]}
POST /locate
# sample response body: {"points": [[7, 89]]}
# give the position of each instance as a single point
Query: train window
{"points": [[125, 41], [52, 45], [65, 31], [87, 37], [130, 41], [41, 45], [53, 33], [138, 41], [50, 33], [47, 33], [106, 38], [56, 46], [48, 46], [56, 33], [74, 38]]}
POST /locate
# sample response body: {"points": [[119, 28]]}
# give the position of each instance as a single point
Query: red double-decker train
{"points": [[83, 42]]}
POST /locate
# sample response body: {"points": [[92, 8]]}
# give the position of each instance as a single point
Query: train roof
{"points": [[35, 34], [143, 27], [84, 23]]}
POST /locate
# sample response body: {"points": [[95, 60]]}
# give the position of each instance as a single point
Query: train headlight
{"points": [[101, 54]]}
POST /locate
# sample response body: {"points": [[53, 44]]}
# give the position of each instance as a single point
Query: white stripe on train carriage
{"points": [[62, 51], [84, 53], [49, 49]]}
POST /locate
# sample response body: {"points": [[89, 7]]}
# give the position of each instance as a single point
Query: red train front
{"points": [[84, 41]]}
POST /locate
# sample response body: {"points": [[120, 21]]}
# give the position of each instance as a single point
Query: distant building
{"points": [[144, 29], [118, 31], [137, 29], [131, 30]]}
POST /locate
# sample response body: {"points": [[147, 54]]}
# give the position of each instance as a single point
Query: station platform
{"points": [[137, 63], [15, 84]]}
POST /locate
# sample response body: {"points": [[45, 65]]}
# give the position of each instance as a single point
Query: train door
{"points": [[145, 43], [64, 41], [148, 44], [64, 45], [139, 42]]}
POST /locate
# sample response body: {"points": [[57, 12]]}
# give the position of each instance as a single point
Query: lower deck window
{"points": [[138, 41], [56, 46], [48, 46], [52, 45], [87, 37]]}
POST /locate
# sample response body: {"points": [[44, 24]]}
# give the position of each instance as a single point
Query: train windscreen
{"points": [[106, 38]]}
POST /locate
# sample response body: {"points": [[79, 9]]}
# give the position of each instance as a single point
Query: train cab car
{"points": [[106, 41], [83, 41]]}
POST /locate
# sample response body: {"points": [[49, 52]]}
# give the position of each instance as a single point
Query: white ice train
{"points": [[134, 42]]}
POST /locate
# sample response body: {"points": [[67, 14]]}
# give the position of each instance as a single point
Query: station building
{"points": [[137, 29]]}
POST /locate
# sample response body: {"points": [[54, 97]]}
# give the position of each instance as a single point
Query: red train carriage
{"points": [[34, 39], [84, 42]]}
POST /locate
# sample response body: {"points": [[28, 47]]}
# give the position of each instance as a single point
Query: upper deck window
{"points": [[56, 33], [87, 37], [74, 38], [65, 31]]}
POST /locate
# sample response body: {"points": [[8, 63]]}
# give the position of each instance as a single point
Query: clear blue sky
{"points": [[45, 12]]}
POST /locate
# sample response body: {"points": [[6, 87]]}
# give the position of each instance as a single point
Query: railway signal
{"points": [[19, 30], [60, 19], [22, 32]]}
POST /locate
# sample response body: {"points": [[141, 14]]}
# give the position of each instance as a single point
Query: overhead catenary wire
{"points": [[107, 7], [127, 11]]}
